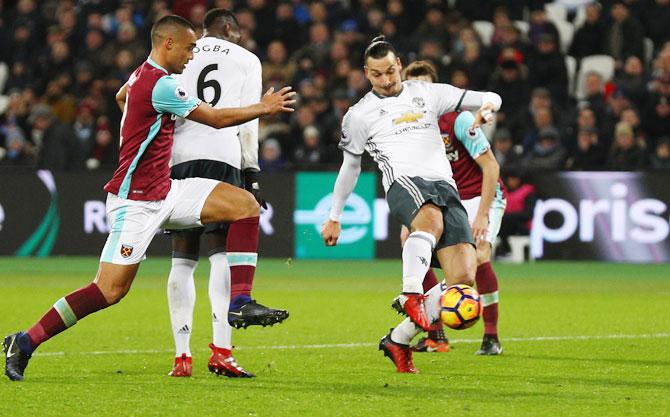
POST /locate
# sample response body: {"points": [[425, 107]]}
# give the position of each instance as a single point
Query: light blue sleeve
{"points": [[477, 143], [169, 97]]}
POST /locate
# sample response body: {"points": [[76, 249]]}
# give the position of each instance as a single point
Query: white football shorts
{"points": [[495, 215], [133, 224]]}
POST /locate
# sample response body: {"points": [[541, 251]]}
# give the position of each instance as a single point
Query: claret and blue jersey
{"points": [[463, 147], [153, 101]]}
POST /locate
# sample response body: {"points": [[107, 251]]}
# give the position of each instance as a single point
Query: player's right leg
{"points": [[181, 296], [411, 202], [110, 285], [132, 227], [426, 227], [436, 341]]}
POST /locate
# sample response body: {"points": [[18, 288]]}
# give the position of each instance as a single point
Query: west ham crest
{"points": [[126, 250]]}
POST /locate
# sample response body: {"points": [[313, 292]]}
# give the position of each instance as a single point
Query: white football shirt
{"points": [[401, 132], [224, 75]]}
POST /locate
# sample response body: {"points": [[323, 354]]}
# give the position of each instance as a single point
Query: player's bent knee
{"points": [[249, 208], [483, 253], [114, 294]]}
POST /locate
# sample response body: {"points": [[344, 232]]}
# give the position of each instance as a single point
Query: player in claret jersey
{"points": [[482, 193], [141, 197]]}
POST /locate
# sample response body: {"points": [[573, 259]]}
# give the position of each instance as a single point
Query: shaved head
{"points": [[172, 42], [169, 27]]}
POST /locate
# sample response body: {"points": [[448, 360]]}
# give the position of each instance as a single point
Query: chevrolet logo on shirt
{"points": [[408, 117]]}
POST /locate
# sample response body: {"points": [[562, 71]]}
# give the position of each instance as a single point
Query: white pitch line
{"points": [[357, 345]]}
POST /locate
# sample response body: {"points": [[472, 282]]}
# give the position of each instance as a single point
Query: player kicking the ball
{"points": [[397, 124], [476, 173], [141, 197], [226, 75]]}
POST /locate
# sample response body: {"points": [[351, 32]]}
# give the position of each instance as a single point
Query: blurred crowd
{"points": [[63, 61]]}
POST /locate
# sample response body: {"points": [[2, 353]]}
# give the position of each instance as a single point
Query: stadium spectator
{"points": [[617, 102], [631, 116], [277, 69], [589, 39], [5, 41], [510, 37], [85, 128], [103, 150], [657, 110], [286, 28], [432, 27], [546, 68], [15, 149], [94, 51], [316, 50], [475, 66], [657, 18], [660, 160], [548, 154], [83, 78], [57, 145], [542, 119], [625, 34], [540, 25], [62, 105], [505, 151], [633, 80], [20, 77], [593, 94], [509, 80], [590, 154], [501, 22], [271, 159], [626, 154], [310, 152], [521, 201]]}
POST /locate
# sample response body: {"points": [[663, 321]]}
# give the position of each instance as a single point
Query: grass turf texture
{"points": [[115, 362]]}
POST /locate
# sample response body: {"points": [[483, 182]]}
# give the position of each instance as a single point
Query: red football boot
{"points": [[222, 363], [400, 355], [182, 366], [413, 305]]}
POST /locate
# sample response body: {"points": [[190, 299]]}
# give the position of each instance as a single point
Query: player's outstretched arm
{"points": [[344, 186], [272, 102], [485, 103]]}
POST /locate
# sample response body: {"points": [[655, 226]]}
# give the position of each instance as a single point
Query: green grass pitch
{"points": [[587, 339]]}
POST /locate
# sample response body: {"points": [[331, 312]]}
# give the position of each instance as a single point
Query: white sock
{"points": [[181, 300], [405, 332], [416, 260], [219, 296], [432, 302]]}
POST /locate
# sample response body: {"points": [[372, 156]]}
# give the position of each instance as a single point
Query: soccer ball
{"points": [[460, 307]]}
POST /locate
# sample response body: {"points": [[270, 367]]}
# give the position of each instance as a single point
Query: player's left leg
{"points": [[487, 283], [181, 296], [221, 361], [242, 249], [396, 344]]}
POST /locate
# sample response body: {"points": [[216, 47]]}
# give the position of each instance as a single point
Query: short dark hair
{"points": [[167, 21], [378, 48], [213, 16], [421, 68]]}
